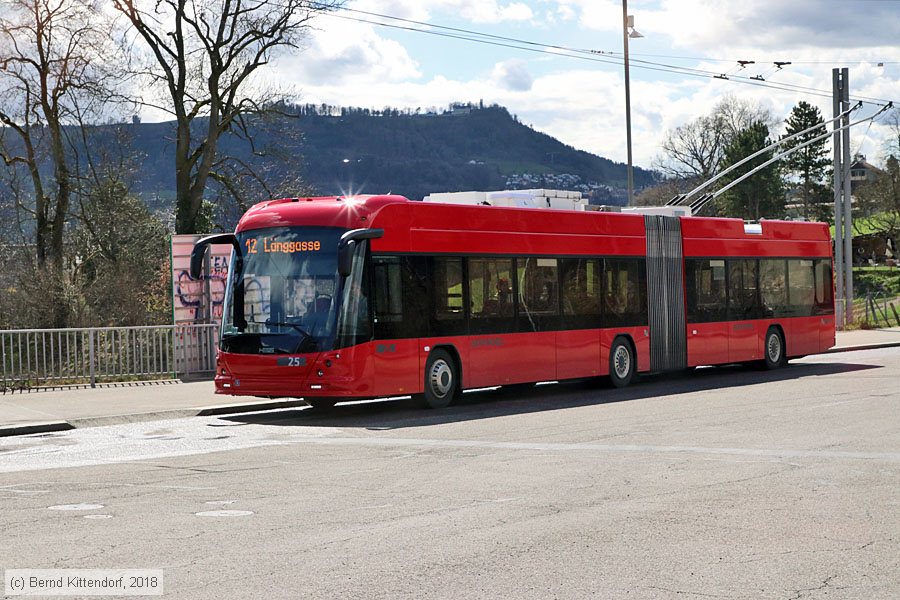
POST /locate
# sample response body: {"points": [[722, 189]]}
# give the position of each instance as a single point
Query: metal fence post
{"points": [[175, 352], [91, 358]]}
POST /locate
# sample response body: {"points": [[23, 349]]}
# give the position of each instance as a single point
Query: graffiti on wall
{"points": [[198, 300]]}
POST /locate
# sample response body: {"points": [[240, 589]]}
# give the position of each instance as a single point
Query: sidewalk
{"points": [[59, 410], [112, 404], [862, 339]]}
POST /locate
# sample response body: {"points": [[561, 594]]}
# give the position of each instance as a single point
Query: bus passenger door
{"points": [[707, 331], [399, 316], [806, 325], [497, 354], [536, 347], [578, 342], [743, 310]]}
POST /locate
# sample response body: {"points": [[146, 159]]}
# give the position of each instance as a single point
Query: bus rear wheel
{"points": [[441, 379], [622, 362], [775, 351]]}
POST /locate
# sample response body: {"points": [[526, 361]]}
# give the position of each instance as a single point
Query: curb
{"points": [[244, 407], [30, 428], [837, 349], [179, 413]]}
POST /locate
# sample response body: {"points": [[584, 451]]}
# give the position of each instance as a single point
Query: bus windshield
{"points": [[281, 291]]}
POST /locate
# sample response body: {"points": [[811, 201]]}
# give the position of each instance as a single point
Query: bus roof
{"points": [[411, 226]]}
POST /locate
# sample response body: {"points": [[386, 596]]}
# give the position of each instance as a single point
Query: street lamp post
{"points": [[628, 24]]}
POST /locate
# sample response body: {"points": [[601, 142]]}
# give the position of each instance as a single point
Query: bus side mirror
{"points": [[199, 251], [345, 258], [347, 245]]}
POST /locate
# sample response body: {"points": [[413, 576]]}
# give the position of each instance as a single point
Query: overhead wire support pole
{"points": [[630, 174], [700, 202], [838, 239], [848, 219], [775, 144]]}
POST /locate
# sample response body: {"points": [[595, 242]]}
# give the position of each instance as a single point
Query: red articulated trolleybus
{"points": [[341, 298]]}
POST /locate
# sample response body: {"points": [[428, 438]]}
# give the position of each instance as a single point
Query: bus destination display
{"points": [[269, 245]]}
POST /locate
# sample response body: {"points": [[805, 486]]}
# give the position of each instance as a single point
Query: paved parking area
{"points": [[728, 483]]}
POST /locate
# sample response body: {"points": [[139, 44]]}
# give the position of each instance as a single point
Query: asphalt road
{"points": [[723, 483]]}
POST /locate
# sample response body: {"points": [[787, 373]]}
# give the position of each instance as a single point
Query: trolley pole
{"points": [[837, 96]]}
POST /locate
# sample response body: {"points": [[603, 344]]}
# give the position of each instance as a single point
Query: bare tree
{"points": [[204, 54], [659, 194], [51, 61], [892, 142], [736, 114], [695, 150]]}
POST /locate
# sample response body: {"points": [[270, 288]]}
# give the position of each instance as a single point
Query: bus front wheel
{"points": [[622, 362], [441, 379]]}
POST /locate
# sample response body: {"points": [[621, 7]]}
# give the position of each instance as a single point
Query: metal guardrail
{"points": [[39, 357]]}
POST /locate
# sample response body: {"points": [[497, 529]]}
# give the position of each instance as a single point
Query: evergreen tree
{"points": [[808, 164], [762, 194]]}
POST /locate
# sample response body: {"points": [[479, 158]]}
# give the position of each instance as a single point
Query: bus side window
{"points": [[625, 292], [388, 305], [743, 297], [773, 286], [801, 287], [490, 291], [824, 300], [706, 291], [581, 291], [448, 315], [538, 286], [387, 297]]}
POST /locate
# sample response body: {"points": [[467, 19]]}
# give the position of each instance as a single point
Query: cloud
{"points": [[513, 75], [600, 15], [476, 11], [565, 12], [404, 9], [774, 25], [347, 51]]}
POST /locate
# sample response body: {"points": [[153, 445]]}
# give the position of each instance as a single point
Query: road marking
{"points": [[183, 487], [76, 507], [127, 443], [612, 448], [224, 513]]}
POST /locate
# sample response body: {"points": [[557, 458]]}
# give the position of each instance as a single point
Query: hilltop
{"points": [[465, 147]]}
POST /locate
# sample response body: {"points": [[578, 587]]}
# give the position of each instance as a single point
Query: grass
{"points": [[884, 285], [863, 226], [883, 281]]}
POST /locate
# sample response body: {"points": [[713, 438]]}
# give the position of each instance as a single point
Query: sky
{"points": [[349, 60]]}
